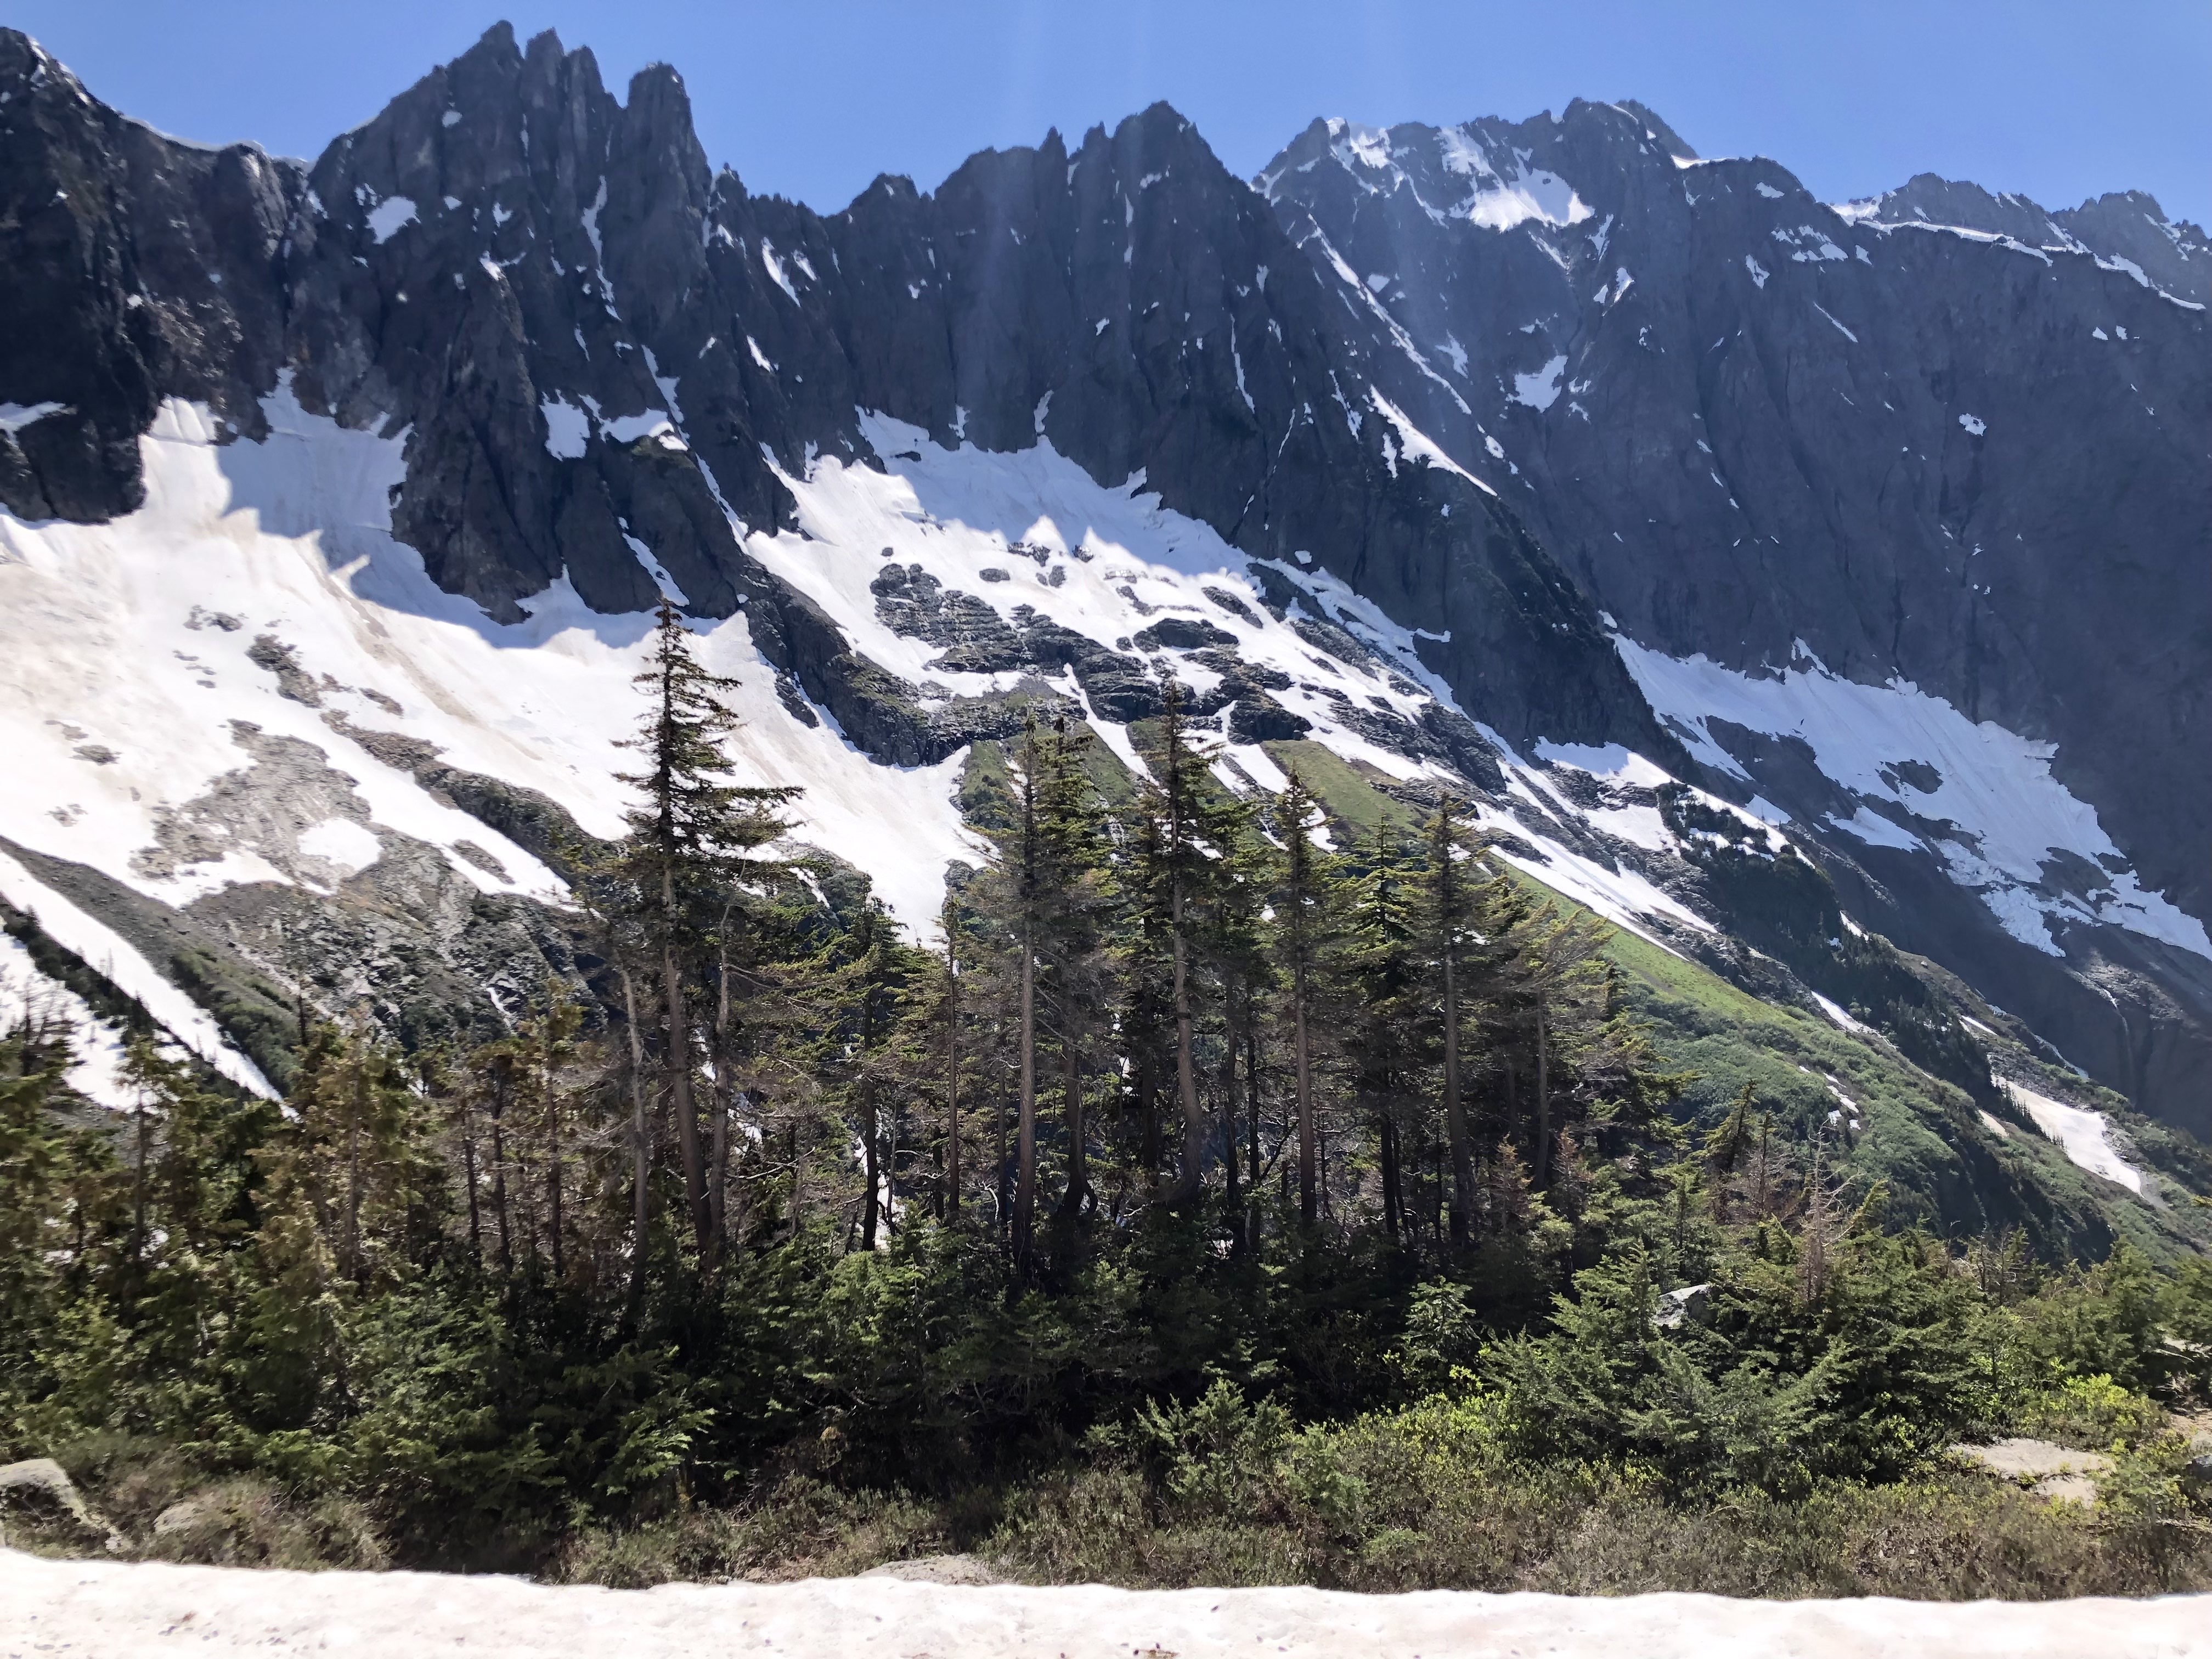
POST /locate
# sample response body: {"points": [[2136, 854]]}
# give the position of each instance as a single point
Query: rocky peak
{"points": [[2125, 230], [1928, 198], [138, 265], [2173, 255]]}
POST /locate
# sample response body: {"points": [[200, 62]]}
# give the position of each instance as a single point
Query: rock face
{"points": [[1628, 443], [1943, 438]]}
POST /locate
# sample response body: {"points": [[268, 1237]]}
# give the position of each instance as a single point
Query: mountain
{"points": [[1760, 568], [1901, 481]]}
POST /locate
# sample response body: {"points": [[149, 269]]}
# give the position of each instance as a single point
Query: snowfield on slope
{"points": [[127, 657], [1980, 799], [2083, 1134], [1031, 529], [28, 997], [256, 607], [92, 1607]]}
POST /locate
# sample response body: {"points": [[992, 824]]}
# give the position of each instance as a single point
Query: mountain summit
{"points": [[1696, 530]]}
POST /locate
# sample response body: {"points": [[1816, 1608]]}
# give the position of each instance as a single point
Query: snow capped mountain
{"points": [[1690, 528], [1765, 434]]}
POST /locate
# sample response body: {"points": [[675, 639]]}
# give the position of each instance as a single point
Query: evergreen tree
{"points": [[1177, 875], [1451, 920], [694, 838], [1072, 939], [1304, 921], [1385, 1038]]}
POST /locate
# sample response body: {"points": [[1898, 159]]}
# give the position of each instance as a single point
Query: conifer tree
{"points": [[1304, 920], [694, 837], [864, 996], [1071, 938], [1175, 877], [1451, 915], [1238, 940], [547, 1044], [1385, 1040], [949, 921], [1025, 875]]}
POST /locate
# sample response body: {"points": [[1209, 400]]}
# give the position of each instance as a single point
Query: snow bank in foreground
{"points": [[106, 1608]]}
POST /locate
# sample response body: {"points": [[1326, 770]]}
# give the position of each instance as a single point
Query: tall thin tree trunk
{"points": [[639, 1151], [1001, 1198], [1025, 1132], [1149, 1150], [1193, 1117], [870, 1149], [552, 1146], [718, 1191], [1543, 1159], [1394, 1202], [1079, 1174], [679, 1090], [1232, 1190], [468, 1172], [1462, 1155], [353, 1164], [144, 1126], [1309, 1188], [951, 1072], [499, 1168], [1252, 1125]]}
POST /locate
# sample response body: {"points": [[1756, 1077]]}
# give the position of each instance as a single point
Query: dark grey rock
{"points": [[1257, 718], [1181, 634]]}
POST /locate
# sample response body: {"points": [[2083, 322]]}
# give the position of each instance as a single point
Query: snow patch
{"points": [[115, 1607], [568, 429], [2084, 1135], [385, 218], [102, 629], [1834, 1011], [776, 270], [1540, 390], [1501, 197], [108, 954], [346, 845], [1994, 816], [13, 417]]}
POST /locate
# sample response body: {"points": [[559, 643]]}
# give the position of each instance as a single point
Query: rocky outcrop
{"points": [[1529, 391], [1940, 439], [39, 1503]]}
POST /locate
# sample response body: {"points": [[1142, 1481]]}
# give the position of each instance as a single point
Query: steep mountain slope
{"points": [[1799, 453], [335, 495]]}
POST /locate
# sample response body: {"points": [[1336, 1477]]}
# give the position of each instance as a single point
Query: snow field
{"points": [[28, 995], [124, 966], [135, 634], [92, 1607], [1117, 561], [2085, 1136], [1994, 815], [128, 669]]}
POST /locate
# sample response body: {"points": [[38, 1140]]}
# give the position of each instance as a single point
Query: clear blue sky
{"points": [[812, 98]]}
